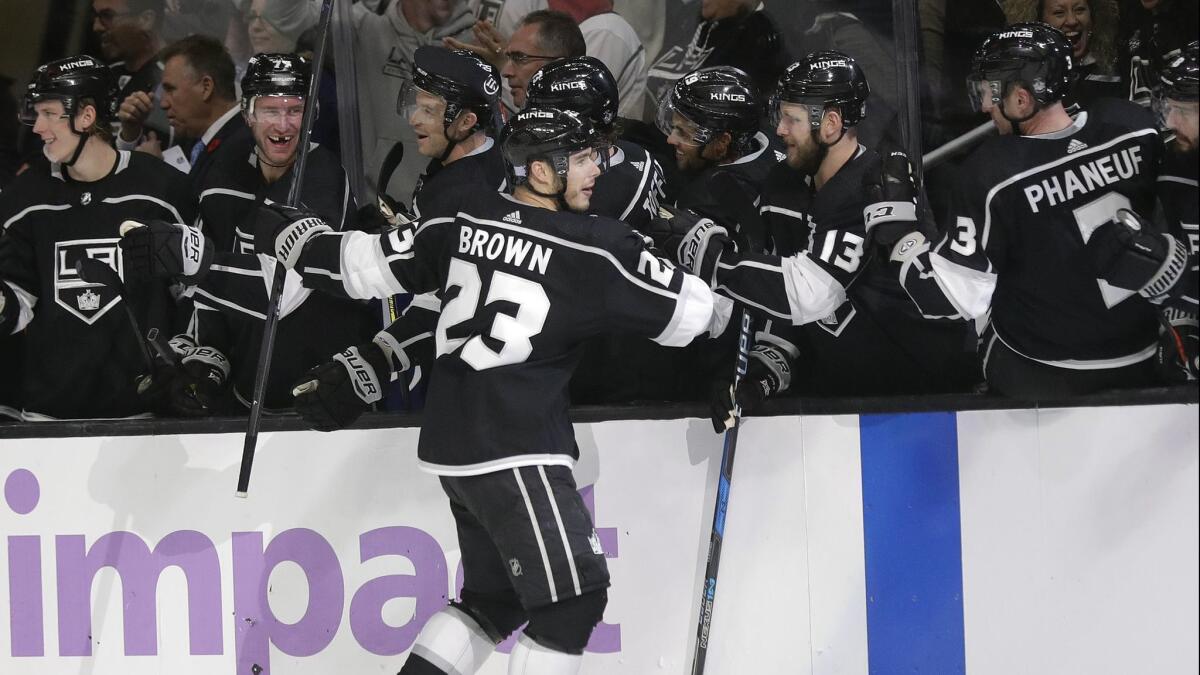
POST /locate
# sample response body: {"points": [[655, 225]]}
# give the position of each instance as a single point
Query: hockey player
{"points": [[631, 187], [231, 296], [1014, 252], [82, 353], [1162, 266], [874, 342], [526, 277]]}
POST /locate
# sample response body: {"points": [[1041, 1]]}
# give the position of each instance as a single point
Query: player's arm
{"points": [[352, 264], [769, 372], [795, 289], [332, 395], [953, 279], [18, 279], [645, 294], [1127, 253]]}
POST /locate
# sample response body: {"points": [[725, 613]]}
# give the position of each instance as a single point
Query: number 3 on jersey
{"points": [[513, 332]]}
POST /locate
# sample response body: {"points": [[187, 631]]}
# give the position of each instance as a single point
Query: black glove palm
{"points": [[332, 395], [1127, 253], [891, 195]]}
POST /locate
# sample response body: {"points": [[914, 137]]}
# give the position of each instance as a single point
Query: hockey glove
{"points": [[1178, 353], [768, 373], [1127, 254], [199, 385], [891, 210], [281, 232], [694, 242], [155, 388], [333, 395], [162, 250], [386, 215]]}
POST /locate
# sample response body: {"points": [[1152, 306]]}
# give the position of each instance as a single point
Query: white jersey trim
{"points": [[694, 308], [1178, 179], [502, 464], [36, 207], [156, 200], [1095, 364], [987, 203], [535, 524], [970, 291], [25, 304], [647, 169], [562, 531]]}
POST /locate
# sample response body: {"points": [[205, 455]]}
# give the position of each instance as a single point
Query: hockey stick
{"points": [[271, 323], [717, 537], [957, 145]]}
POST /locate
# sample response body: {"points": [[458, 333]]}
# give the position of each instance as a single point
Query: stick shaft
{"points": [[271, 323], [717, 536]]}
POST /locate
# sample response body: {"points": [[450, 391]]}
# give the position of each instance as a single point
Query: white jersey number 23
{"points": [[512, 331]]}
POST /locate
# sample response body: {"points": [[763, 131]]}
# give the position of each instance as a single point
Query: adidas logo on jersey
{"points": [[1075, 146], [640, 166], [780, 156], [514, 218]]}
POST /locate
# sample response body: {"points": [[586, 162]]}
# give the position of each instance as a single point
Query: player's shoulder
{"points": [[34, 186], [1120, 114]]}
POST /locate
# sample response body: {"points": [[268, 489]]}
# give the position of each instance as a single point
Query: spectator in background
{"points": [[1157, 32], [384, 48], [738, 33], [200, 100], [274, 26], [187, 17], [1091, 27], [606, 35], [950, 33], [130, 41]]}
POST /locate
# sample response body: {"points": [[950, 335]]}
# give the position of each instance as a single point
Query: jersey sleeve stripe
{"points": [[969, 290], [25, 302], [227, 192], [234, 306], [646, 170], [693, 310], [36, 207], [368, 274], [155, 200]]}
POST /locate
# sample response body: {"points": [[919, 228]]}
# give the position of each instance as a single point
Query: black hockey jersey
{"points": [[233, 188], [730, 193], [631, 189], [1180, 200], [81, 355], [521, 287], [874, 342], [231, 302], [1015, 238], [443, 188]]}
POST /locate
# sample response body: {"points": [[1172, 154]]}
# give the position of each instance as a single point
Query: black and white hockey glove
{"points": [[161, 250], [198, 387], [281, 232], [334, 394], [694, 242], [1128, 254], [1178, 355], [768, 373], [891, 195], [385, 215]]}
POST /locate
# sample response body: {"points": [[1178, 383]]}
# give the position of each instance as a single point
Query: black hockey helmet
{"points": [[823, 80], [275, 75], [71, 80], [1179, 77], [548, 134], [460, 78], [716, 99], [1032, 54], [583, 84]]}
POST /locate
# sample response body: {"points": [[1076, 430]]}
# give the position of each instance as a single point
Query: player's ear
{"points": [[462, 126], [717, 148], [831, 125], [85, 117]]}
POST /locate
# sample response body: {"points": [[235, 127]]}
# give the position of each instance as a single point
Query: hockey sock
{"points": [[452, 642]]}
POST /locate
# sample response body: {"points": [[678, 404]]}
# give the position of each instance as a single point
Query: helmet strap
{"points": [[83, 139], [559, 197]]}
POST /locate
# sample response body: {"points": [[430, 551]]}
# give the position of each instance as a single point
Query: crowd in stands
{"points": [[757, 133]]}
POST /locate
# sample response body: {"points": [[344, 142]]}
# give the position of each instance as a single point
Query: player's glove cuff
{"points": [[771, 367], [909, 247], [889, 212], [363, 366], [282, 232], [701, 249], [1172, 269]]}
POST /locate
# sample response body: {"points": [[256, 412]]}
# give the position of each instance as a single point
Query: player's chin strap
{"points": [[262, 158], [559, 197], [1016, 122], [83, 139]]}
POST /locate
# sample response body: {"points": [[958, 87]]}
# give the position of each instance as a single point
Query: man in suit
{"points": [[200, 102]]}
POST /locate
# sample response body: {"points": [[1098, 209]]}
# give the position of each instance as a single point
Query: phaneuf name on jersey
{"points": [[492, 245], [1084, 178]]}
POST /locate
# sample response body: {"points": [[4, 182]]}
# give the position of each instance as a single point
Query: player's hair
{"points": [[207, 56], [101, 127], [1102, 44], [558, 34]]}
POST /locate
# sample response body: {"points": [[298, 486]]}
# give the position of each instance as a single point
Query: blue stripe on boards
{"points": [[913, 544]]}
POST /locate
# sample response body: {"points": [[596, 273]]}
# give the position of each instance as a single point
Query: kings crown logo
{"points": [[88, 301]]}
